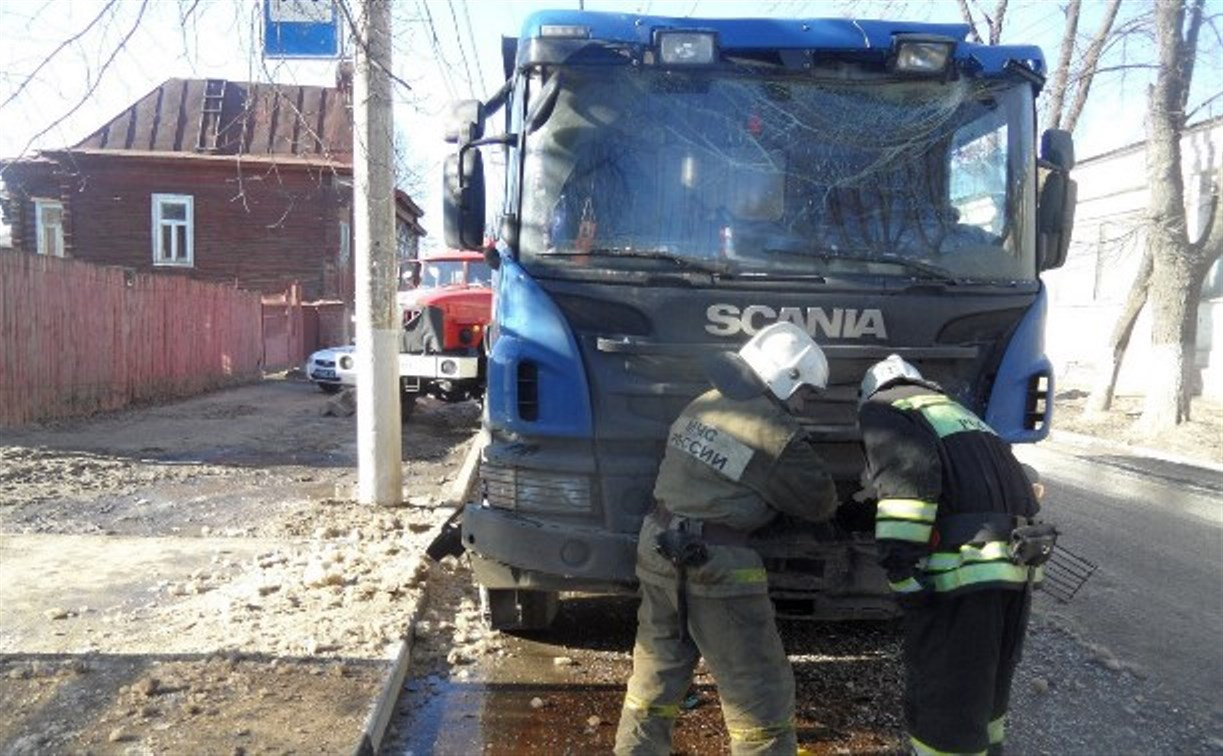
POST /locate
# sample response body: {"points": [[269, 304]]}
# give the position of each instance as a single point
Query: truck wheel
{"points": [[407, 404], [512, 609]]}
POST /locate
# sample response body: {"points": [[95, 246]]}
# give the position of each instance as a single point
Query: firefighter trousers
{"points": [[960, 655], [737, 636]]}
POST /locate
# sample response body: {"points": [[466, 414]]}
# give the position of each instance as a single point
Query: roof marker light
{"points": [[686, 48], [568, 31], [921, 54]]}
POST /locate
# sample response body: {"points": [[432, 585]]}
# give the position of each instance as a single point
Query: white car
{"points": [[332, 369]]}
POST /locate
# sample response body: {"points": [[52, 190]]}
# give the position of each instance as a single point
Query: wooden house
{"points": [[238, 182]]}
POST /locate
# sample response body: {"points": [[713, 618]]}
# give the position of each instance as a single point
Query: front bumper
{"points": [[514, 550]]}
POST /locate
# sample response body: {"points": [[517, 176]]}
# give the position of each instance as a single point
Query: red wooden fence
{"points": [[283, 341], [76, 338]]}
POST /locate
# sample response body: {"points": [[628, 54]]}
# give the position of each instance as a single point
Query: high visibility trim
{"points": [[975, 574], [899, 530], [921, 401], [992, 551], [641, 706], [997, 730], [916, 510], [908, 585], [760, 734], [749, 575], [921, 749], [945, 415]]}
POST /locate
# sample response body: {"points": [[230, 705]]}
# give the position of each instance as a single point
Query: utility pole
{"points": [[379, 466]]}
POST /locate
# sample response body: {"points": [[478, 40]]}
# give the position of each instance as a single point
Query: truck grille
{"points": [[535, 491]]}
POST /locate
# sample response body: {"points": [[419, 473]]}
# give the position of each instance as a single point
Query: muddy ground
{"points": [[195, 577]]}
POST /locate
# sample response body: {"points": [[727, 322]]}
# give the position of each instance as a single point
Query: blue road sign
{"points": [[301, 29]]}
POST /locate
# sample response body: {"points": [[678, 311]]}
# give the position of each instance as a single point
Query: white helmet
{"points": [[885, 373], [785, 357]]}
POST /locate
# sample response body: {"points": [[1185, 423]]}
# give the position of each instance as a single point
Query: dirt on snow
{"points": [[196, 577]]}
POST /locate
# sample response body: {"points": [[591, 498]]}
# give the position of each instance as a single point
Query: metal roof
{"points": [[219, 117]]}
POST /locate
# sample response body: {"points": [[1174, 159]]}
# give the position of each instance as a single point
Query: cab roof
{"points": [[833, 35]]}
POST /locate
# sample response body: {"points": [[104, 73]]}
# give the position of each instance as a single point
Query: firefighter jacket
{"points": [[929, 459], [736, 464]]}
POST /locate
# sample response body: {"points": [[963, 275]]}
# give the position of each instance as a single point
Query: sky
{"points": [[62, 76]]}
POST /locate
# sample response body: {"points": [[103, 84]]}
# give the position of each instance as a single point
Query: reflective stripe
{"points": [[898, 530], [921, 749], [997, 730], [941, 561], [762, 733], [664, 711], [908, 585], [944, 414], [918, 402], [749, 575], [981, 572], [917, 510]]}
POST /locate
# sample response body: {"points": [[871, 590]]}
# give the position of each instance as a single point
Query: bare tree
{"points": [[1179, 266]]}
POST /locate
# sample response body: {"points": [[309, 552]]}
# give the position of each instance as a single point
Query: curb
{"points": [[378, 719], [1085, 441]]}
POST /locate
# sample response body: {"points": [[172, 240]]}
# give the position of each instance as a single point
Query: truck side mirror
{"points": [[465, 122], [463, 199], [1057, 148], [1058, 196]]}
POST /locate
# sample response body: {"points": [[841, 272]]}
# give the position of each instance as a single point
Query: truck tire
{"points": [[407, 404], [512, 609]]}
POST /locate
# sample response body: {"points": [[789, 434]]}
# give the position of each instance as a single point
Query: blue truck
{"points": [[672, 185]]}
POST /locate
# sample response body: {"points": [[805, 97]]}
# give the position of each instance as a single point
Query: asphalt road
{"points": [[1131, 665], [1155, 530]]}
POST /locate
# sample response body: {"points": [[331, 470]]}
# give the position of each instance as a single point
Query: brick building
{"points": [[223, 181]]}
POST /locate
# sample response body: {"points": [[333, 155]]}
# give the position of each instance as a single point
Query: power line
{"points": [[437, 51], [474, 47], [458, 38]]}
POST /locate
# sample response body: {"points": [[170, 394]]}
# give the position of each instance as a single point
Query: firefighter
{"points": [[735, 458], [956, 538]]}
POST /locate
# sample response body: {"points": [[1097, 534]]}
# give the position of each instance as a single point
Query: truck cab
{"points": [[445, 306], [673, 185]]}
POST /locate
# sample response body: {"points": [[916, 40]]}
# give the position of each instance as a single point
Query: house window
{"points": [[345, 243], [49, 227], [173, 230]]}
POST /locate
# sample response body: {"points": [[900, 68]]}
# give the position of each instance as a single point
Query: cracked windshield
{"points": [[840, 172]]}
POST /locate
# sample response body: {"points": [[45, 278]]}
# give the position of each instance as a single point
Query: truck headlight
{"points": [[686, 48], [921, 54]]}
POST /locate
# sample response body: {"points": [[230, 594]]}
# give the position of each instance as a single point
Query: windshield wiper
{"points": [[705, 266], [914, 266]]}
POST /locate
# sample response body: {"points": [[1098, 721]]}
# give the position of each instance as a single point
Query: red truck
{"points": [[445, 313]]}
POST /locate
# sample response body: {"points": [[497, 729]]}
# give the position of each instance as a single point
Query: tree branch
{"points": [[16, 92], [966, 14], [1057, 91], [96, 81], [1091, 59], [1191, 51], [995, 27]]}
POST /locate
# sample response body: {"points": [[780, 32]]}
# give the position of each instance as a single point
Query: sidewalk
{"points": [[1198, 443]]}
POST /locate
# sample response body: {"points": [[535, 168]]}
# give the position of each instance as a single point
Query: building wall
{"points": [[1087, 293], [256, 224]]}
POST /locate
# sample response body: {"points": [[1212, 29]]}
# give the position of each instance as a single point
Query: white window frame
{"points": [[174, 259], [345, 253], [41, 204]]}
